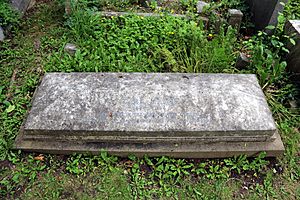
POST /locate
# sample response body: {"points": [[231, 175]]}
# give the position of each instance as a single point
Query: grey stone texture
{"points": [[20, 5], [265, 12], [235, 18], [292, 28], [151, 105], [139, 112], [2, 36]]}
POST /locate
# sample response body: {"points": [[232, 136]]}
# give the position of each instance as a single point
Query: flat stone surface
{"points": [[149, 105]]}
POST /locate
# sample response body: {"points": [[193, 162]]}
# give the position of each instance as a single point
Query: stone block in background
{"points": [[242, 61], [235, 18], [265, 12], [201, 115], [292, 28]]}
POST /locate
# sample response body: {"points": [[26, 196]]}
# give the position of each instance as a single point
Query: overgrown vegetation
{"points": [[8, 16], [292, 10], [133, 43], [130, 44]]}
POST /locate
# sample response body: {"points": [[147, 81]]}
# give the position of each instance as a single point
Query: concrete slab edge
{"points": [[176, 150]]}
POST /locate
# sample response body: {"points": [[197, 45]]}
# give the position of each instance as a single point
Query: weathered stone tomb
{"points": [[173, 114]]}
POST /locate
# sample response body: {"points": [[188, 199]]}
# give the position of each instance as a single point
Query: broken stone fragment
{"points": [[70, 48], [242, 61], [2, 36]]}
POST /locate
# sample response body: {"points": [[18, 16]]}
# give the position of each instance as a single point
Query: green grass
{"points": [[96, 185], [145, 45]]}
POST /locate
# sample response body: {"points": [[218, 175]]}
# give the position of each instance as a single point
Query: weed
{"points": [[23, 170], [266, 190], [80, 164]]}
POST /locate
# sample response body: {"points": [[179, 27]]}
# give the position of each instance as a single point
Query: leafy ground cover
{"points": [[7, 14], [145, 45], [134, 43]]}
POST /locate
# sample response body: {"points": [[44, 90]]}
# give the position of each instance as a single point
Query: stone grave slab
{"points": [[149, 113]]}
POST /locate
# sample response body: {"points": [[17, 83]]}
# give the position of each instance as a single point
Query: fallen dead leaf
{"points": [[39, 157]]}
